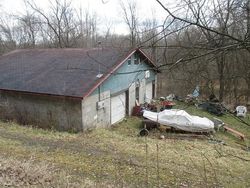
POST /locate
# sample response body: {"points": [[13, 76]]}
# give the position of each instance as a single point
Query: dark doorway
{"points": [[127, 102], [153, 89], [137, 94]]}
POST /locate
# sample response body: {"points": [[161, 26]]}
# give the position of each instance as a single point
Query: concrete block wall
{"points": [[91, 116], [42, 111]]}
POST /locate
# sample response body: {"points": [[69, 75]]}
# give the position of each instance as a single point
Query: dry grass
{"points": [[23, 173], [31, 173], [117, 157]]}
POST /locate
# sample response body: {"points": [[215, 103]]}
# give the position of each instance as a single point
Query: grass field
{"points": [[118, 157]]}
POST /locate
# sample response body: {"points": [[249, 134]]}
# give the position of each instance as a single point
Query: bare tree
{"points": [[148, 35], [7, 38], [59, 21], [224, 26], [27, 28], [131, 19]]}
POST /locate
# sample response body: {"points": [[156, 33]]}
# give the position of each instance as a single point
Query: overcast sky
{"points": [[109, 11]]}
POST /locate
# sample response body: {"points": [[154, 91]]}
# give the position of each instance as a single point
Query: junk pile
{"points": [[213, 108], [161, 104], [192, 98], [166, 104], [139, 109], [160, 114]]}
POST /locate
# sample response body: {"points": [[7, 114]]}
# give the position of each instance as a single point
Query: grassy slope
{"points": [[117, 157]]}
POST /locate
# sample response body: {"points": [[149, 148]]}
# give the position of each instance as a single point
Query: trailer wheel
{"points": [[144, 132]]}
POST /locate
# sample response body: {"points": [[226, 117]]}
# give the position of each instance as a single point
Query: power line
{"points": [[95, 60]]}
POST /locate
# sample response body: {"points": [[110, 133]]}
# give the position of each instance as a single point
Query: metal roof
{"points": [[64, 72]]}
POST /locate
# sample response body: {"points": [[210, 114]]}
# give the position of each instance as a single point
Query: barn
{"points": [[74, 89]]}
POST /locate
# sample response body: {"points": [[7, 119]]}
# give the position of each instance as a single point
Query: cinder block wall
{"points": [[42, 111], [91, 116]]}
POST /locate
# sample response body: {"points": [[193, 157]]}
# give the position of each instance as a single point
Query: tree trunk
{"points": [[221, 67], [248, 91]]}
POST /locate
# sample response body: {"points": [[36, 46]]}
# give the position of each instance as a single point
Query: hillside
{"points": [[118, 157]]}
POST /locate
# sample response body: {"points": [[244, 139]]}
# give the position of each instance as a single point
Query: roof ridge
{"points": [[56, 49]]}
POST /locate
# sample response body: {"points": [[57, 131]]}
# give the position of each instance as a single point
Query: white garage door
{"points": [[149, 91], [118, 108]]}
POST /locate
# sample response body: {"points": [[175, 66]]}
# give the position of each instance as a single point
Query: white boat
{"points": [[180, 119]]}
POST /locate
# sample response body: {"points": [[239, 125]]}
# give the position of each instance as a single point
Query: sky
{"points": [[109, 11]]}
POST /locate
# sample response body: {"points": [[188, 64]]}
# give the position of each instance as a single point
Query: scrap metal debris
{"points": [[213, 108]]}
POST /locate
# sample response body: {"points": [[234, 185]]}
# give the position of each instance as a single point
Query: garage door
{"points": [[118, 108], [149, 91]]}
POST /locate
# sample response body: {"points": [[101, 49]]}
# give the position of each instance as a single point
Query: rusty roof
{"points": [[64, 72]]}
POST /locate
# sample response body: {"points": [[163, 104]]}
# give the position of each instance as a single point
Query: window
{"points": [[129, 61], [147, 74], [136, 59]]}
